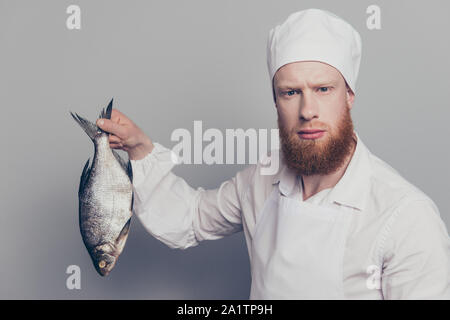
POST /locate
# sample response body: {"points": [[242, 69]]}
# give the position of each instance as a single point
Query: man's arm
{"points": [[179, 215], [171, 210], [417, 256]]}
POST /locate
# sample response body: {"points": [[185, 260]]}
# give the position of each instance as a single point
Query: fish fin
{"points": [[130, 171], [132, 202], [83, 178], [89, 127], [123, 234]]}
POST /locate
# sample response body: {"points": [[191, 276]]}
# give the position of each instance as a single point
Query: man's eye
{"points": [[324, 89], [289, 93]]}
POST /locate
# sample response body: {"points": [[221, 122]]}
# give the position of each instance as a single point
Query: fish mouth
{"points": [[104, 262], [103, 272], [103, 268]]}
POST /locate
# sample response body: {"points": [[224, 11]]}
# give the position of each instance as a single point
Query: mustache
{"points": [[316, 126]]}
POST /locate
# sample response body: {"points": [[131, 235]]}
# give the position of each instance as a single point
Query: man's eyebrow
{"points": [[284, 87], [315, 85]]}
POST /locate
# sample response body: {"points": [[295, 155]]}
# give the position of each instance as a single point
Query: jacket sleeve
{"points": [[417, 259], [177, 214]]}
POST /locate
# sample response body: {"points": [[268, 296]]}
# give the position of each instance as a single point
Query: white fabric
{"points": [[315, 35], [305, 249], [393, 226]]}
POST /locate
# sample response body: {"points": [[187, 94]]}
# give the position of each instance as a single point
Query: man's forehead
{"points": [[313, 72]]}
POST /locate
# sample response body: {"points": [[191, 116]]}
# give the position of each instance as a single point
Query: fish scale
{"points": [[105, 199]]}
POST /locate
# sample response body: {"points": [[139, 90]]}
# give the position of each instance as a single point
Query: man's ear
{"points": [[350, 96]]}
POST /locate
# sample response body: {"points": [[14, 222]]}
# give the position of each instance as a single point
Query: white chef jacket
{"points": [[397, 246]]}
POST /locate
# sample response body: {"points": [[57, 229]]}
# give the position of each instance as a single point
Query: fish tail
{"points": [[89, 127], [107, 114]]}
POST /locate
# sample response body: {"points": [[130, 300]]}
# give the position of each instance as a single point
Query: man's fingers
{"points": [[111, 127], [116, 114], [120, 117], [116, 145], [114, 139], [115, 117]]}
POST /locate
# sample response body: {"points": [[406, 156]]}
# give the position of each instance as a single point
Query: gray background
{"points": [[168, 63]]}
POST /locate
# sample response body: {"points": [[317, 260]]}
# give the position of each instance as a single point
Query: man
{"points": [[335, 222]]}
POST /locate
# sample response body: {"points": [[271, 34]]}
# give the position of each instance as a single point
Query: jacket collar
{"points": [[351, 190]]}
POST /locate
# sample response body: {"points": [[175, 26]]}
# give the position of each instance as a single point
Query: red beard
{"points": [[319, 156]]}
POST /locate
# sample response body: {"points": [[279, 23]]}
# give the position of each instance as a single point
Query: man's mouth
{"points": [[311, 133]]}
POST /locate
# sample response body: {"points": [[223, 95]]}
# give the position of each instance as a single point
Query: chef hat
{"points": [[315, 35]]}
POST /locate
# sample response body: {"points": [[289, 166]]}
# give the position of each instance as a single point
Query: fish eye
{"points": [[102, 264]]}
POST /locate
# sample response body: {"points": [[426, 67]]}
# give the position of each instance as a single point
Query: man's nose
{"points": [[308, 107]]}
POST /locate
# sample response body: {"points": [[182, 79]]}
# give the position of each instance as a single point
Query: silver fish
{"points": [[105, 198]]}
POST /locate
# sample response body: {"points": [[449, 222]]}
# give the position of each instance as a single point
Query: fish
{"points": [[105, 196]]}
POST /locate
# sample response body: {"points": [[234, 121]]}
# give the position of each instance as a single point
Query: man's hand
{"points": [[125, 135]]}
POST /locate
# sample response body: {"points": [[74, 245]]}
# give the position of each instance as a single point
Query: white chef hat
{"points": [[315, 35]]}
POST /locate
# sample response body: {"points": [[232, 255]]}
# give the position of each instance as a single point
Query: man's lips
{"points": [[308, 131], [311, 133]]}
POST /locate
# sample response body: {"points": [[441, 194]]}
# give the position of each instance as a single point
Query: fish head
{"points": [[104, 259], [105, 264]]}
